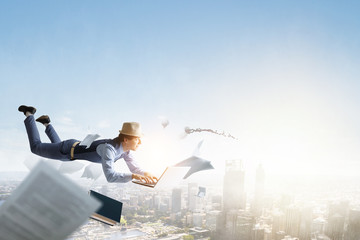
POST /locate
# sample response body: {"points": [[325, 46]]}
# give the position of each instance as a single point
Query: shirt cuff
{"points": [[128, 177]]}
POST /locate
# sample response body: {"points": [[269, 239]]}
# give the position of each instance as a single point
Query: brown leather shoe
{"points": [[43, 119], [25, 109]]}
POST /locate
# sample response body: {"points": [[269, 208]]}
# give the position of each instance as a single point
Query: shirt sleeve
{"points": [[132, 164], [107, 154]]}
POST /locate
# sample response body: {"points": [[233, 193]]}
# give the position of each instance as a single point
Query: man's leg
{"points": [[49, 130], [52, 134], [47, 150], [32, 132]]}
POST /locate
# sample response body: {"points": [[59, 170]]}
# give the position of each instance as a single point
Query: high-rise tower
{"points": [[353, 229], [336, 219], [176, 200], [258, 201], [292, 221], [234, 197], [192, 199]]}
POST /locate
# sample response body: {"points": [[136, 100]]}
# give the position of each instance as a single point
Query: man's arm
{"points": [[107, 154], [135, 168], [132, 164]]}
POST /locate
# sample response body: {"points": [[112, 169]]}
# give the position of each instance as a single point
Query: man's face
{"points": [[132, 144]]}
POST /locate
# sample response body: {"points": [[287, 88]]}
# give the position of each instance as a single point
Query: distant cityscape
{"points": [[225, 210]]}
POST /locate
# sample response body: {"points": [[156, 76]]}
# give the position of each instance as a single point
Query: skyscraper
{"points": [[212, 219], [192, 196], [176, 200], [244, 226], [336, 219], [258, 200], [335, 228], [292, 221], [216, 202], [278, 224], [258, 233], [353, 229], [230, 224], [305, 224], [234, 197], [318, 226]]}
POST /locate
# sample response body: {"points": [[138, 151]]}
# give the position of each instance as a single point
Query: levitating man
{"points": [[104, 151]]}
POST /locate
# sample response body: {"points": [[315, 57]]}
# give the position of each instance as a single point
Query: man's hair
{"points": [[119, 139]]}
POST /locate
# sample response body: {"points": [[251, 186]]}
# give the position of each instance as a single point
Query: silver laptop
{"points": [[170, 177]]}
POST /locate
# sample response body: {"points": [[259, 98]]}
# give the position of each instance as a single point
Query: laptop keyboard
{"points": [[144, 183]]}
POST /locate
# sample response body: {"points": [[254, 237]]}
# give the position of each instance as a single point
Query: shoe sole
{"points": [[25, 109]]}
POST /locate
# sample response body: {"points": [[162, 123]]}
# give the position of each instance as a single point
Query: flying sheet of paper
{"points": [[197, 164], [70, 167], [46, 205], [92, 171], [89, 139]]}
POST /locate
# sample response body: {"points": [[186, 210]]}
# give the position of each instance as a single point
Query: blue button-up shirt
{"points": [[109, 155]]}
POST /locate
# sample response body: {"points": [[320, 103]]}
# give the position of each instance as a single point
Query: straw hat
{"points": [[131, 129]]}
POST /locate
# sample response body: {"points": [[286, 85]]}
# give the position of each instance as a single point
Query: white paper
{"points": [[70, 166], [197, 164], [89, 139], [46, 205]]}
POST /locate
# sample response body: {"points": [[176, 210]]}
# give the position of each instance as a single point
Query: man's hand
{"points": [[152, 177], [142, 178]]}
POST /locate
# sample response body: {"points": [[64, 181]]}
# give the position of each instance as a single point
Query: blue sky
{"points": [[282, 76]]}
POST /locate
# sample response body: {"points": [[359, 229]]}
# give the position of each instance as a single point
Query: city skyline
{"points": [[317, 213]]}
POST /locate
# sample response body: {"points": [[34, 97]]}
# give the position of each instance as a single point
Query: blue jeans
{"points": [[57, 149]]}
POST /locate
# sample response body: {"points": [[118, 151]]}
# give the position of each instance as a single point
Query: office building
{"points": [[318, 226], [192, 196], [244, 226], [216, 202], [258, 201], [211, 219], [278, 224], [176, 200], [353, 227], [230, 223], [280, 235], [234, 197], [258, 233], [156, 201], [292, 221], [197, 219], [335, 227], [305, 224], [338, 212]]}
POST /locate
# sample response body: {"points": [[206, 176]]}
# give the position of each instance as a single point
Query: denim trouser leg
{"points": [[47, 150], [52, 134]]}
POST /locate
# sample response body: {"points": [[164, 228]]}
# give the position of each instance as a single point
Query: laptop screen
{"points": [[110, 208]]}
